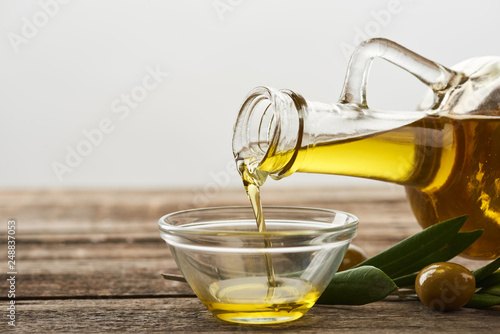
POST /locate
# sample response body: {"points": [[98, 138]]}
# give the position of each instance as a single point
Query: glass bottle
{"points": [[446, 153]]}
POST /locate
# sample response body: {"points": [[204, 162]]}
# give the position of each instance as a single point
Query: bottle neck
{"points": [[269, 124], [277, 131]]}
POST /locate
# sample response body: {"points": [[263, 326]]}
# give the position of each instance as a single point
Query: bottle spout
{"points": [[269, 123]]}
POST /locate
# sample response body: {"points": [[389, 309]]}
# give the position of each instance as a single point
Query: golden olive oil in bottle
{"points": [[450, 166]]}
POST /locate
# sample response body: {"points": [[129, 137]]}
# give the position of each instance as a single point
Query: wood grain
{"points": [[170, 315], [90, 261]]}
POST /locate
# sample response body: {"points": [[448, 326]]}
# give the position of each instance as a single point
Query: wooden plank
{"points": [[107, 277], [98, 215], [83, 252], [176, 315], [94, 207], [90, 261]]}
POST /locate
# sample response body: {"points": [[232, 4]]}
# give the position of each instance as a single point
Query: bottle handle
{"points": [[434, 75]]}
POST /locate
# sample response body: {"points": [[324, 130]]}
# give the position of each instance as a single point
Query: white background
{"points": [[62, 77]]}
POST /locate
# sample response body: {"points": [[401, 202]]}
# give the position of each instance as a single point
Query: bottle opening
{"points": [[268, 126]]}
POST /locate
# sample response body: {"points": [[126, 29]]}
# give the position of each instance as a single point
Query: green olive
{"points": [[445, 286], [352, 257]]}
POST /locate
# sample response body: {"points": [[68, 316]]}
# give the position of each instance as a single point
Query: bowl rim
{"points": [[191, 230]]}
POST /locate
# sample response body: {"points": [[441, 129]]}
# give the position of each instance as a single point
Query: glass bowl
{"points": [[245, 276]]}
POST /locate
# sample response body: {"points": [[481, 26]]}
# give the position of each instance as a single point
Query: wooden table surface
{"points": [[90, 262]]}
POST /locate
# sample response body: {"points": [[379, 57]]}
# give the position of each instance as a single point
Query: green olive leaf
{"points": [[407, 281], [492, 279], [457, 245], [461, 241], [436, 243], [491, 290], [358, 286], [482, 273], [479, 300]]}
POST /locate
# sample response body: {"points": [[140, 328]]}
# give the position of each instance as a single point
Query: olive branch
{"points": [[398, 266]]}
